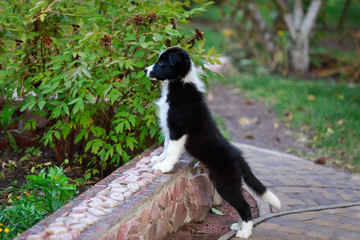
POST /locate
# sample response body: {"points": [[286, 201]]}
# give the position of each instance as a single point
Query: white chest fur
{"points": [[163, 106]]}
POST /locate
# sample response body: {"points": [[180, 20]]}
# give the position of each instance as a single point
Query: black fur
{"points": [[189, 114]]}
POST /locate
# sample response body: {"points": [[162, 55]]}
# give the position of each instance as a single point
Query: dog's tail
{"points": [[259, 188]]}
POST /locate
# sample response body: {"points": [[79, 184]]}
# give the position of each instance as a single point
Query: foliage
{"points": [[332, 13], [22, 215], [240, 39], [5, 120], [81, 64], [52, 190], [326, 111], [40, 196], [237, 35]]}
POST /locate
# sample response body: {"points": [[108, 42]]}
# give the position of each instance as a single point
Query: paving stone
{"points": [[300, 184], [268, 226], [318, 235], [349, 227], [296, 237], [289, 229], [322, 222], [343, 233]]}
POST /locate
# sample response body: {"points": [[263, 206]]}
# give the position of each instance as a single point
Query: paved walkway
{"points": [[317, 202]]}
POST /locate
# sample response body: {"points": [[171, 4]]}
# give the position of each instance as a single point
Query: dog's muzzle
{"points": [[148, 71]]}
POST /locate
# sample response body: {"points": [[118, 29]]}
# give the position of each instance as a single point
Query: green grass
{"points": [[328, 112]]}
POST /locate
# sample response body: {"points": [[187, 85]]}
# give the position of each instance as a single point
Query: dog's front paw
{"points": [[163, 166], [246, 230], [157, 158], [235, 227], [243, 233]]}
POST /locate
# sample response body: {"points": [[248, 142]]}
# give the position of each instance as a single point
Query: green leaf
{"points": [[88, 145], [211, 51], [66, 108], [74, 101], [217, 212], [118, 149], [33, 123], [173, 32], [65, 130], [42, 104], [86, 72], [157, 37], [79, 106], [132, 119], [56, 112], [42, 17], [142, 39], [79, 137], [57, 134], [90, 98]]}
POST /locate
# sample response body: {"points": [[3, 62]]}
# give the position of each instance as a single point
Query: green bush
{"points": [[81, 64], [28, 204], [52, 190], [22, 215]]}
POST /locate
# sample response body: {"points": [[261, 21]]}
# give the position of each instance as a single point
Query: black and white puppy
{"points": [[186, 122]]}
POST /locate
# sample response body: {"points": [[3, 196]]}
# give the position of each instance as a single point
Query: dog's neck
{"points": [[193, 78]]}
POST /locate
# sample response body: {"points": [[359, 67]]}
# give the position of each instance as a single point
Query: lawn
{"points": [[326, 111]]}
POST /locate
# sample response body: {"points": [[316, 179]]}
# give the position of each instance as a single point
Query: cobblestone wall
{"points": [[134, 202]]}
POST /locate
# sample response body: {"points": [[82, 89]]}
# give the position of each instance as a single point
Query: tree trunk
{"points": [[299, 54], [343, 14], [299, 26]]}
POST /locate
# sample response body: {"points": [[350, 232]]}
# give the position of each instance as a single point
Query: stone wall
{"points": [[134, 202]]}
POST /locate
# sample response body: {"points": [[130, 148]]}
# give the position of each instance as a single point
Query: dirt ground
{"points": [[214, 225], [250, 122]]}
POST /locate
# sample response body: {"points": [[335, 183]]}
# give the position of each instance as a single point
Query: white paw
{"points": [[157, 158], [243, 233], [163, 166], [235, 227]]}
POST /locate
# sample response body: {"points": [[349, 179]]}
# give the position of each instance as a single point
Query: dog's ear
{"points": [[174, 58]]}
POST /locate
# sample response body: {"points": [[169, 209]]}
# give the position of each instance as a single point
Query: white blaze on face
{"points": [[148, 70]]}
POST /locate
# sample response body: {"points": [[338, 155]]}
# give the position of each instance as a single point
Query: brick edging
{"points": [[158, 204]]}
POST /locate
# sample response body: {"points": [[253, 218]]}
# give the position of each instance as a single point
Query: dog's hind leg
{"points": [[232, 193], [173, 152]]}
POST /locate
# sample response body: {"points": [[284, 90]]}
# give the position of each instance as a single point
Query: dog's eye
{"points": [[160, 62]]}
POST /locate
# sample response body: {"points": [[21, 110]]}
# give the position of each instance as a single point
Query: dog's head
{"points": [[173, 64]]}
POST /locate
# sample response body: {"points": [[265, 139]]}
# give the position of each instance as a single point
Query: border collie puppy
{"points": [[186, 122]]}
